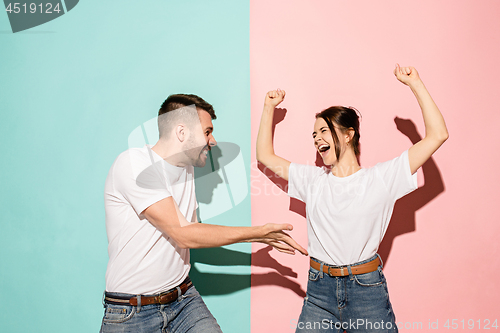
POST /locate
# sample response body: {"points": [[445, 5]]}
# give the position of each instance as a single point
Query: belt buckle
{"points": [[159, 298], [331, 270]]}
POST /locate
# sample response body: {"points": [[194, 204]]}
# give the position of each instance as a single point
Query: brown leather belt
{"points": [[162, 298], [343, 271]]}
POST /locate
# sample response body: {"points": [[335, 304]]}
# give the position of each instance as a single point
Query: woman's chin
{"points": [[326, 161]]}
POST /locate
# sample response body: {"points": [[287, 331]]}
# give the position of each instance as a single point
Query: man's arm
{"points": [[167, 218], [435, 128]]}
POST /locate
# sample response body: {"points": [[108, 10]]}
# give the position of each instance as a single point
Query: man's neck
{"points": [[169, 153]]}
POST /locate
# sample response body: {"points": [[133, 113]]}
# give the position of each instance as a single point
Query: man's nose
{"points": [[212, 142]]}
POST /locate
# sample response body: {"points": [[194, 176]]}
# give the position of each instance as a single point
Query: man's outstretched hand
{"points": [[274, 234]]}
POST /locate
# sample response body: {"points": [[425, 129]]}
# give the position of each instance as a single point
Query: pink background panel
{"points": [[442, 247]]}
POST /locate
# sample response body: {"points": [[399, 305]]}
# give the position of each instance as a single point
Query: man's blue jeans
{"points": [[186, 314], [354, 303]]}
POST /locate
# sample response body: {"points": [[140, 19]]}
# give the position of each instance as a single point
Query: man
{"points": [[149, 197]]}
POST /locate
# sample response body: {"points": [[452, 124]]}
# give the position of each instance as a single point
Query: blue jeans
{"points": [[186, 314], [353, 303]]}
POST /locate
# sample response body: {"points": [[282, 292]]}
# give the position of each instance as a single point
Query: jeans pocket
{"points": [[118, 313], [371, 279], [313, 274]]}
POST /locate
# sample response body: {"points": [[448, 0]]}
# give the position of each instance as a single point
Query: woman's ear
{"points": [[350, 134]]}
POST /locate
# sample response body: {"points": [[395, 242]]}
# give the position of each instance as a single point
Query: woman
{"points": [[348, 210]]}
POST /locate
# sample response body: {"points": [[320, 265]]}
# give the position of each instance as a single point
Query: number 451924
{"points": [[32, 8]]}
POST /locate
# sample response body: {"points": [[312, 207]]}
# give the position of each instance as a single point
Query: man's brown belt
{"points": [[343, 271], [162, 298]]}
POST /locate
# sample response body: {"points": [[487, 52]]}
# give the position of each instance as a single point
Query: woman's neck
{"points": [[347, 165]]}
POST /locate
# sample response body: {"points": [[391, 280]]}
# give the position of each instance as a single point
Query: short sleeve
{"points": [[140, 182], [397, 177], [300, 177]]}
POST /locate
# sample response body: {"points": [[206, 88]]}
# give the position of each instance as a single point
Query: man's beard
{"points": [[197, 154]]}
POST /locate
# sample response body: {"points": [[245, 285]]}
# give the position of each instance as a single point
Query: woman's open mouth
{"points": [[323, 149]]}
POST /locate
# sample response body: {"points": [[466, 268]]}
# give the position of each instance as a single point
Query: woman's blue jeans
{"points": [[186, 314], [353, 303]]}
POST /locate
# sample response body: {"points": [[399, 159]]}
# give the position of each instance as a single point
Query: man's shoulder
{"points": [[132, 159], [132, 154]]}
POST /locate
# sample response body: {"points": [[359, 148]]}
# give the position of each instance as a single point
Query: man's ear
{"points": [[181, 132]]}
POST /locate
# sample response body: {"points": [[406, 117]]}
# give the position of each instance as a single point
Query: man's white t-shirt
{"points": [[348, 216], [141, 259]]}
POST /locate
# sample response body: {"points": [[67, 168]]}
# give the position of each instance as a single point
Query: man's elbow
{"points": [[184, 246], [180, 240]]}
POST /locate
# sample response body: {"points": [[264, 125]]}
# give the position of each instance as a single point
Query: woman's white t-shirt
{"points": [[348, 216]]}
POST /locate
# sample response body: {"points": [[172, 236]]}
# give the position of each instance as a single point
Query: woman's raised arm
{"points": [[435, 128], [265, 149]]}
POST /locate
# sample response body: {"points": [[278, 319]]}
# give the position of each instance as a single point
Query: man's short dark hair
{"points": [[177, 101]]}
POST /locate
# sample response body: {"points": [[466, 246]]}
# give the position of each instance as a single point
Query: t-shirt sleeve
{"points": [[300, 177], [141, 183], [396, 175]]}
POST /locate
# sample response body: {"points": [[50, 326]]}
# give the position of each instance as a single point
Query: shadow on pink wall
{"points": [[403, 217]]}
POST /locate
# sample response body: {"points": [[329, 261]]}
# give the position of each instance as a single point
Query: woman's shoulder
{"points": [[391, 166]]}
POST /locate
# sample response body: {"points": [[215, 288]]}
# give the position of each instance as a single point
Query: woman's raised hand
{"points": [[407, 75], [274, 97]]}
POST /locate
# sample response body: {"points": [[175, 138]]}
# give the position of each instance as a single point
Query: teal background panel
{"points": [[72, 91]]}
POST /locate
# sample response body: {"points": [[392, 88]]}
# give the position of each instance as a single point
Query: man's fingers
{"points": [[290, 241], [284, 237], [282, 247], [280, 226], [277, 233]]}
